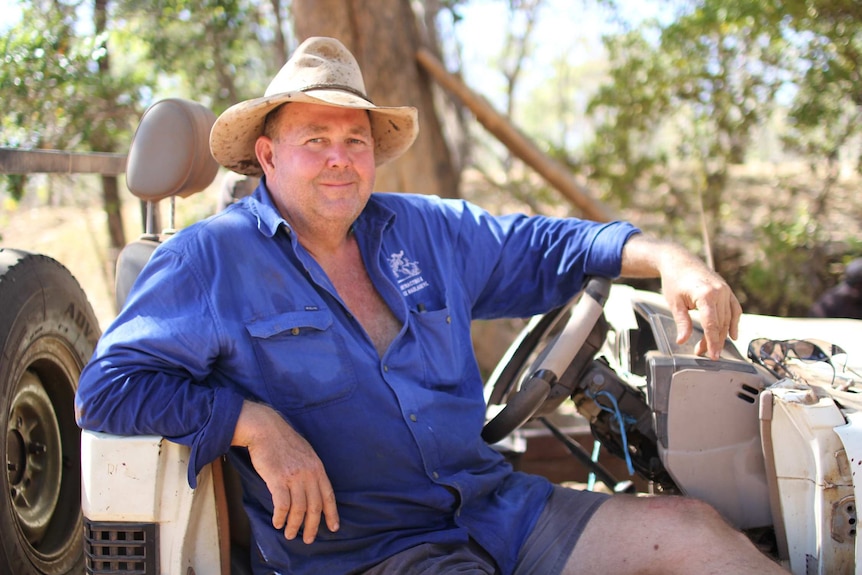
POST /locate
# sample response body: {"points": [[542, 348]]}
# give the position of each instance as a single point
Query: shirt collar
{"points": [[262, 206], [375, 216]]}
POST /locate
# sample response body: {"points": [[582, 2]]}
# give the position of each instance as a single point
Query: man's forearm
{"points": [[646, 257]]}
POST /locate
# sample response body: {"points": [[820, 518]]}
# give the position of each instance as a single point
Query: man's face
{"points": [[319, 164]]}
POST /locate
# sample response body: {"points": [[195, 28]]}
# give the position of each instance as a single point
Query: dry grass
{"points": [[77, 236]]}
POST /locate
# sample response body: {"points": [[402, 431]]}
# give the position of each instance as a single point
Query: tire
{"points": [[47, 334]]}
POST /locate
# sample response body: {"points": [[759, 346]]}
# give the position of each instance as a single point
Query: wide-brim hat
{"points": [[320, 71]]}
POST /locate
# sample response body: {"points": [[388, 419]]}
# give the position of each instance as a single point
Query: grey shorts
{"points": [[544, 552]]}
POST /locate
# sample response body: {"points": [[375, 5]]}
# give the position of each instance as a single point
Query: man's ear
{"points": [[263, 149]]}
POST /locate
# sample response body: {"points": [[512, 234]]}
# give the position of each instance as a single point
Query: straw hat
{"points": [[321, 71]]}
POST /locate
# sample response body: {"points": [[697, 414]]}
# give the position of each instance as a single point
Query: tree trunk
{"points": [[280, 44], [105, 143], [385, 41]]}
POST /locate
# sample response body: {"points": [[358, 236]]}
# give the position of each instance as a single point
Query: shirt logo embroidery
{"points": [[407, 273]]}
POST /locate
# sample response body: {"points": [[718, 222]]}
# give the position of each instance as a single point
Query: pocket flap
{"points": [[292, 322]]}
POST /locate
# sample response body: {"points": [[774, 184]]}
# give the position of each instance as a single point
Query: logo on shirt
{"points": [[407, 273]]}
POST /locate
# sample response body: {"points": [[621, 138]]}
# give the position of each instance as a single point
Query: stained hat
{"points": [[320, 71]]}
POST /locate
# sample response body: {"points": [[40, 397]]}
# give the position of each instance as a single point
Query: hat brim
{"points": [[236, 130]]}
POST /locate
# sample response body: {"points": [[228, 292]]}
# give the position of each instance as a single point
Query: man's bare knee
{"points": [[662, 535]]}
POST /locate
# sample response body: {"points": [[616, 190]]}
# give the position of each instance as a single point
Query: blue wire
{"points": [[619, 417]]}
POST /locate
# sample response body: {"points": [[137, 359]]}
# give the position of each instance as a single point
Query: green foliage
{"points": [[788, 258], [14, 184], [689, 92], [827, 111], [41, 60], [629, 110], [214, 51], [684, 100], [60, 91], [54, 87], [53, 84], [77, 78]]}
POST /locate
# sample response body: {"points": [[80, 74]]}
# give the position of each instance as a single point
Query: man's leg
{"points": [[663, 534], [437, 558]]}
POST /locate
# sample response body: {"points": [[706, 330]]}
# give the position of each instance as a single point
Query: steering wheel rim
{"points": [[544, 372]]}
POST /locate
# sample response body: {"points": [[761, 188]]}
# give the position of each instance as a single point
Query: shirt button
{"points": [[386, 368], [295, 331], [448, 319], [413, 417], [435, 475]]}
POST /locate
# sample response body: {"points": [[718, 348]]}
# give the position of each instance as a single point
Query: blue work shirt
{"points": [[234, 308]]}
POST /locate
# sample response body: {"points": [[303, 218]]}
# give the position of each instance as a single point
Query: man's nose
{"points": [[339, 155]]}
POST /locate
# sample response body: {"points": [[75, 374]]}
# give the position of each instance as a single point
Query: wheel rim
{"points": [[43, 494], [47, 333], [34, 461]]}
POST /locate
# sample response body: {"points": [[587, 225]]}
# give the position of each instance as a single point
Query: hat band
{"points": [[341, 87]]}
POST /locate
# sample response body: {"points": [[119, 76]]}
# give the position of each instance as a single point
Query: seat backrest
{"points": [[130, 262], [169, 156], [170, 152]]}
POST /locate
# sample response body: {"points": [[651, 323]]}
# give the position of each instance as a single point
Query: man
{"points": [[320, 335], [844, 299]]}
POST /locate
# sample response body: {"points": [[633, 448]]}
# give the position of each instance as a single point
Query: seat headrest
{"points": [[170, 153]]}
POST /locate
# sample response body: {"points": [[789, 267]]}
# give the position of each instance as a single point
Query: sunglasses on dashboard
{"points": [[772, 354]]}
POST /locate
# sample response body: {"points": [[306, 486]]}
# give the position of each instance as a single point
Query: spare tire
{"points": [[47, 334]]}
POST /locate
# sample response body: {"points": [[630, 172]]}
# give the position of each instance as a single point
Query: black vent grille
{"points": [[120, 548]]}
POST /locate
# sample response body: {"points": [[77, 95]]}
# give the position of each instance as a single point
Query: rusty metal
{"points": [[844, 519]]}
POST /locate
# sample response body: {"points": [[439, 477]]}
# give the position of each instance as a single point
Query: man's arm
{"points": [[292, 471], [687, 285], [152, 371]]}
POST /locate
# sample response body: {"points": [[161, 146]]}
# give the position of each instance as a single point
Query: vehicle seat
{"points": [[169, 156]]}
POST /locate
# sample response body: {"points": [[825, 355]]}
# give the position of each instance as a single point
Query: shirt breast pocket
{"points": [[442, 356], [303, 360]]}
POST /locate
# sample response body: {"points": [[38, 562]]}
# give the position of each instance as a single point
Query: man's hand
{"points": [[694, 286], [292, 471], [687, 285]]}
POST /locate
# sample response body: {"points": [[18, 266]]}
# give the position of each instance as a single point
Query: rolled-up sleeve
{"points": [[604, 254]]}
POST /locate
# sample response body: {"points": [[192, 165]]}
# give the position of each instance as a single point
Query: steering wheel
{"points": [[575, 332]]}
